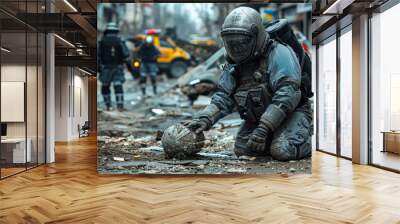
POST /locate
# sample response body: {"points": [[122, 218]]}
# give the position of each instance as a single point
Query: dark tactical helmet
{"points": [[180, 142], [111, 28], [243, 34]]}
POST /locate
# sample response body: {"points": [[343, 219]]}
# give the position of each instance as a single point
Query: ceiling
{"points": [[74, 21], [330, 15]]}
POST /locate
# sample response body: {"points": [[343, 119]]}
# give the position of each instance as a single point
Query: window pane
{"points": [[346, 94], [327, 97], [22, 78], [14, 153], [385, 84]]}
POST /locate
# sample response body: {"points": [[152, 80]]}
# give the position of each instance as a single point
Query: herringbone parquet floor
{"points": [[70, 191]]}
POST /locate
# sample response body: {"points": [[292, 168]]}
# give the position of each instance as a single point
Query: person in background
{"points": [[148, 54], [112, 55]]}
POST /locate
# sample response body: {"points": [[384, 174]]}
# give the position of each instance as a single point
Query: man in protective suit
{"points": [[262, 79], [113, 54], [148, 54]]}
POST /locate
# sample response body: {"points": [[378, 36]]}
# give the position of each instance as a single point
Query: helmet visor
{"points": [[238, 46]]}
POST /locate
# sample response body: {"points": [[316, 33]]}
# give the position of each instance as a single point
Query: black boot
{"points": [[120, 107], [154, 83], [119, 95], [107, 101], [142, 84], [154, 89], [105, 91], [120, 101], [144, 91]]}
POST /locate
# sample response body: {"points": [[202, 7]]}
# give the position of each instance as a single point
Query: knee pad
{"points": [[119, 98], [305, 149], [282, 150]]}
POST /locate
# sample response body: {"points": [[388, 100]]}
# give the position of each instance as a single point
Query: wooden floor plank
{"points": [[71, 191]]}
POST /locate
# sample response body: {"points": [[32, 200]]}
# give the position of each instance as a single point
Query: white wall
{"points": [[33, 126], [17, 73], [81, 83], [61, 103], [13, 73], [71, 102]]}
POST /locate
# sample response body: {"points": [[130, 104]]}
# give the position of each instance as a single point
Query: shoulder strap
{"points": [[263, 68]]}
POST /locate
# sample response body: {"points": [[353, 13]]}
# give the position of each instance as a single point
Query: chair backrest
{"points": [[86, 125]]}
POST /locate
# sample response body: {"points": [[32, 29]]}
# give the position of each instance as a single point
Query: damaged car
{"points": [[203, 79]]}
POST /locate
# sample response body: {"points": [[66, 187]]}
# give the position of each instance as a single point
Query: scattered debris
{"points": [[120, 159], [150, 172], [213, 155], [236, 170], [200, 162], [235, 122], [129, 142], [247, 158], [143, 139], [159, 134], [152, 148], [158, 111], [177, 162]]}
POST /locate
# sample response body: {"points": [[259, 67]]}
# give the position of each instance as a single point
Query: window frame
{"points": [[334, 37]]}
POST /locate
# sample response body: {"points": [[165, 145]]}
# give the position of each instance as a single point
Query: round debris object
{"points": [[180, 142]]}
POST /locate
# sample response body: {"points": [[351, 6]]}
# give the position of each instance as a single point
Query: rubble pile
{"points": [[130, 142]]}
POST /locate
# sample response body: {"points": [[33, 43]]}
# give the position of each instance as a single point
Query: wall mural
{"points": [[204, 88]]}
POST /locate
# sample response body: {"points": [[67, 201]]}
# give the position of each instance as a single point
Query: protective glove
{"points": [[258, 138], [197, 125]]}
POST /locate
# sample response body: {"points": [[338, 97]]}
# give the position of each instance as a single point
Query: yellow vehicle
{"points": [[203, 41], [173, 60]]}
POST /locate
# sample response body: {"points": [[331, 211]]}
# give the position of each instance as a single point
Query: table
{"points": [[391, 141], [13, 150]]}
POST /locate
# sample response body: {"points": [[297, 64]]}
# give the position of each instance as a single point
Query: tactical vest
{"points": [[254, 96], [253, 93], [111, 50]]}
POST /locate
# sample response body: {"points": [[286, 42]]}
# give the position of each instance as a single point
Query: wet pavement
{"points": [[129, 141]]}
